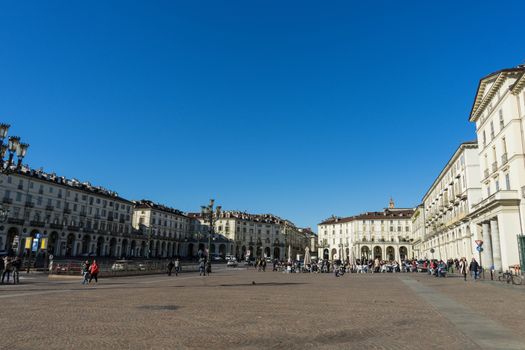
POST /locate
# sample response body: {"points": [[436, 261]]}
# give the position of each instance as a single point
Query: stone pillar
{"points": [[496, 247], [487, 249]]}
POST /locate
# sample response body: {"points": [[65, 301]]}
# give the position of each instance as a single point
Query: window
{"points": [[491, 130], [484, 138], [497, 185], [488, 190], [501, 121], [18, 197], [507, 182]]}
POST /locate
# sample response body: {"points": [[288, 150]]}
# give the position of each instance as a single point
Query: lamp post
{"points": [[11, 148], [210, 214]]}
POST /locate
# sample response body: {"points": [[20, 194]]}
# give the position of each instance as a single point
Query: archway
{"points": [[326, 253], [222, 250], [86, 240], [157, 249], [333, 254], [113, 247], [124, 251], [190, 250], [365, 253], [243, 252], [390, 253], [163, 249], [267, 252], [212, 249], [69, 245], [100, 246], [10, 245], [378, 253], [133, 247], [403, 252], [52, 244], [259, 252], [276, 253], [250, 249]]}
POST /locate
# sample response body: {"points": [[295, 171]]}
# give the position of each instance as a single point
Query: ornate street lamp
{"points": [[210, 214], [12, 148]]}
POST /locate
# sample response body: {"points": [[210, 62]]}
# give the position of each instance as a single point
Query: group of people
{"points": [[174, 264], [90, 272], [204, 267], [10, 266]]}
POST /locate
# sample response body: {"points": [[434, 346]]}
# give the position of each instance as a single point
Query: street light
{"points": [[11, 148], [210, 215]]}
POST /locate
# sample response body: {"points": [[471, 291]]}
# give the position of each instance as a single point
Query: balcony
{"points": [[504, 159], [36, 223], [7, 200], [67, 211], [15, 221], [29, 204], [501, 197], [494, 167], [82, 213], [49, 208], [56, 226], [73, 228]]}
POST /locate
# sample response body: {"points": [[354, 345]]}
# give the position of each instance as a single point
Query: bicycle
{"points": [[509, 277]]}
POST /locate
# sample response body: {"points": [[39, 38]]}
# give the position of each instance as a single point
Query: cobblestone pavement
{"points": [[239, 309]]}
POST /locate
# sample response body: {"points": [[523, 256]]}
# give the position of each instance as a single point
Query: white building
{"points": [[166, 229], [386, 235], [499, 113], [74, 218], [263, 235], [447, 231]]}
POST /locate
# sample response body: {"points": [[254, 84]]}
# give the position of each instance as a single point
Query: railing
{"points": [[82, 213], [15, 221], [56, 226], [67, 211], [29, 204], [73, 228], [49, 208], [504, 159], [7, 200]]}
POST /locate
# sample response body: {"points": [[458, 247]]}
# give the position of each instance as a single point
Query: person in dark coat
{"points": [[474, 268]]}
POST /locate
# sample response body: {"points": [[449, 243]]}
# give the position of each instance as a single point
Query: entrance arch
{"points": [[100, 244], [403, 252], [222, 250], [113, 247], [11, 234], [124, 251], [276, 253], [378, 253], [333, 254], [267, 252], [390, 253], [365, 253], [69, 245], [85, 244], [326, 254], [52, 244]]}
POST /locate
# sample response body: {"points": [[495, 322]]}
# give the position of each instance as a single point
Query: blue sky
{"points": [[299, 108]]}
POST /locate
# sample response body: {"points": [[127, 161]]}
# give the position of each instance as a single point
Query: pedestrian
{"points": [[474, 268], [171, 265], [1, 266], [8, 267], [208, 267], [263, 265], [177, 266], [93, 271], [202, 271], [85, 272], [17, 265], [463, 268]]}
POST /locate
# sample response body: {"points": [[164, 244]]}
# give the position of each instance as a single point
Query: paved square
{"points": [[255, 310]]}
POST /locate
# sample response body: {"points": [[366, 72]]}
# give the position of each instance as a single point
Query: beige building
{"points": [[166, 229], [448, 232], [74, 218], [386, 235], [499, 113]]}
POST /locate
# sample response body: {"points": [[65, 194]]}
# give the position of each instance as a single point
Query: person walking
{"points": [[474, 268], [85, 272], [171, 265], [177, 266], [17, 265], [462, 267], [202, 271], [8, 267], [93, 271]]}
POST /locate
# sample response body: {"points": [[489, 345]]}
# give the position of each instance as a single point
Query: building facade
{"points": [[386, 235], [499, 113], [447, 231], [73, 218], [167, 229], [257, 235]]}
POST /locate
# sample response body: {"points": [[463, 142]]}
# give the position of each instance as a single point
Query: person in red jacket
{"points": [[93, 271]]}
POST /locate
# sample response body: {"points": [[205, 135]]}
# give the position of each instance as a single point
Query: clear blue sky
{"points": [[303, 109]]}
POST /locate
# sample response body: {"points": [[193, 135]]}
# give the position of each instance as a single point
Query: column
{"points": [[496, 247], [487, 249], [75, 244]]}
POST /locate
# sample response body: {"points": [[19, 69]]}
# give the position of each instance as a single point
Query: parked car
{"points": [[232, 263], [216, 257]]}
